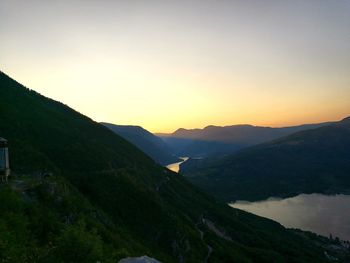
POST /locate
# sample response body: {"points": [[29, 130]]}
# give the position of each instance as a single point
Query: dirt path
{"points": [[201, 233], [210, 250]]}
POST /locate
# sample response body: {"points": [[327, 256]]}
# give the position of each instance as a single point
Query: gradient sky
{"points": [[169, 64]]}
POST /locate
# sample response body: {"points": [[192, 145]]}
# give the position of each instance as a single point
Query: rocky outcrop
{"points": [[143, 259]]}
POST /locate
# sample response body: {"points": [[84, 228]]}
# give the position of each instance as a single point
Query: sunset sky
{"points": [[170, 64]]}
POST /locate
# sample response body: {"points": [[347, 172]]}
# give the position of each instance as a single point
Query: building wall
{"points": [[3, 158]]}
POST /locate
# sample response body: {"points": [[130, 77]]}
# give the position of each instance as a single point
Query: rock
{"points": [[143, 259]]}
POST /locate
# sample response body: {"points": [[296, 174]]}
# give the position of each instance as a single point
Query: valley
{"points": [[106, 197], [174, 131]]}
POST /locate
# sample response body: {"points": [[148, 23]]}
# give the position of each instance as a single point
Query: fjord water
{"points": [[318, 213], [175, 167]]}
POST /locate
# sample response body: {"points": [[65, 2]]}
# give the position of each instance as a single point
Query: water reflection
{"points": [[175, 167], [318, 213]]}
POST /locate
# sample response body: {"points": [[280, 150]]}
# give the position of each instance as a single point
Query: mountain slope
{"points": [[148, 209], [213, 140], [316, 160], [145, 141]]}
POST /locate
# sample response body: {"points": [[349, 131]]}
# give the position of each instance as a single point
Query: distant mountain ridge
{"points": [[150, 144], [310, 161], [213, 140]]}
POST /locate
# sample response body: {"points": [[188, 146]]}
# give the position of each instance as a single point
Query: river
{"points": [[175, 167], [321, 214]]}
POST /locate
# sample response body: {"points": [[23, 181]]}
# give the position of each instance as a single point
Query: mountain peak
{"points": [[347, 119], [180, 130]]}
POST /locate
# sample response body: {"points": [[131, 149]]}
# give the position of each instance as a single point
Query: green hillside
{"points": [[106, 199], [150, 144], [312, 161]]}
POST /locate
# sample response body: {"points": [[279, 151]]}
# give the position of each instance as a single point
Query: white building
{"points": [[4, 160]]}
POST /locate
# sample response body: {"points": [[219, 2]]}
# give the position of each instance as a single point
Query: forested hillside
{"points": [[150, 144], [311, 161]]}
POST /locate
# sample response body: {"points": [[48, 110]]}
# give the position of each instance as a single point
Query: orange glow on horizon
{"points": [[165, 65]]}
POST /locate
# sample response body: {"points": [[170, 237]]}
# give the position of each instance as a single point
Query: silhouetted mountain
{"points": [[150, 144], [213, 140], [106, 199], [311, 161]]}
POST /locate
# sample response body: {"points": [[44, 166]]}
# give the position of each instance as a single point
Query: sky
{"points": [[170, 64]]}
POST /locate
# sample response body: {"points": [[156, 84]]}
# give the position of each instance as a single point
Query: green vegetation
{"points": [[107, 200], [46, 220], [312, 161]]}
